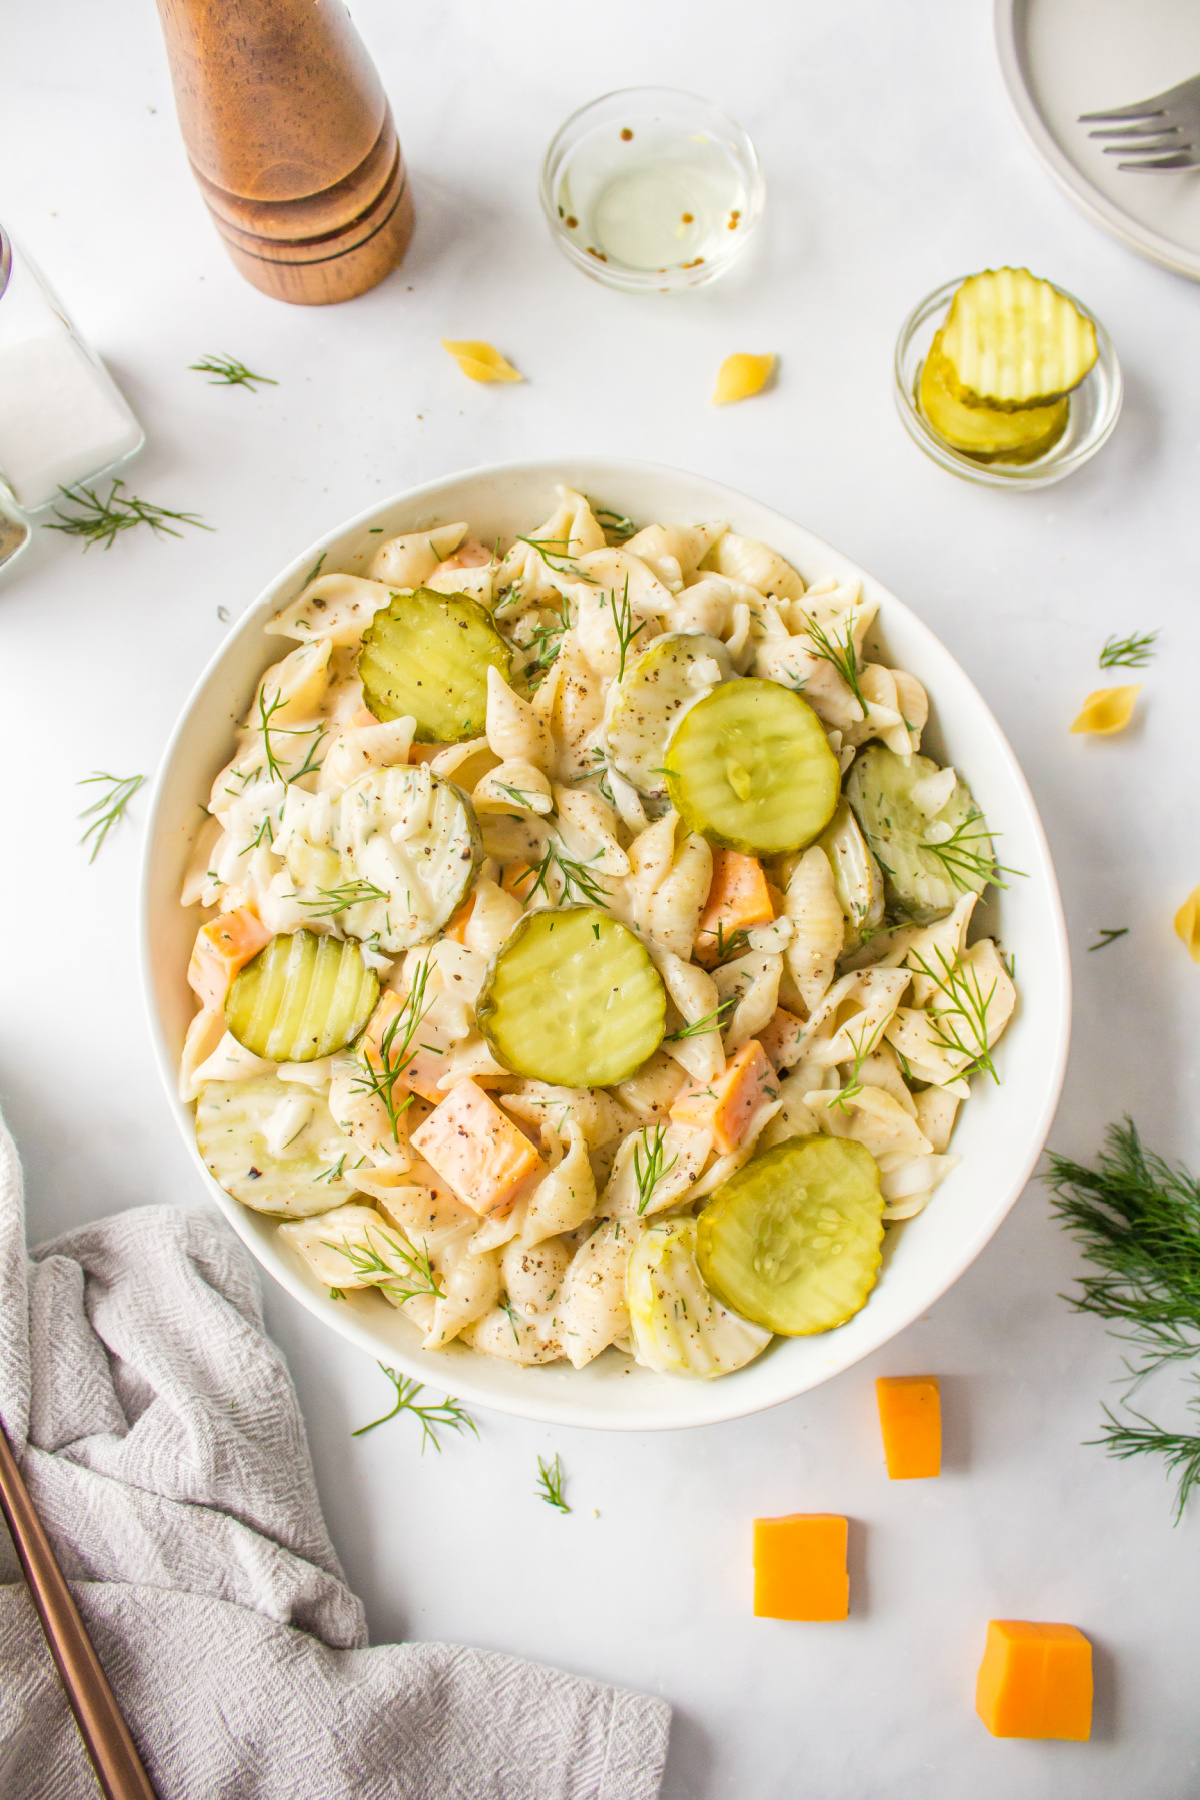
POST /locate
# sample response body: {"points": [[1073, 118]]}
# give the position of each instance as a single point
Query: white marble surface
{"points": [[891, 164]]}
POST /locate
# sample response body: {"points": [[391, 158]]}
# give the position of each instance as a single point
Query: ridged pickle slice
{"points": [[931, 854], [572, 997], [646, 705], [274, 1146], [984, 432], [427, 655], [412, 843], [792, 1241], [750, 768], [679, 1325], [1014, 341], [302, 997]]}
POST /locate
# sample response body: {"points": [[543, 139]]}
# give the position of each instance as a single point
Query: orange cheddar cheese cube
{"points": [[738, 897], [1035, 1681], [223, 946], [457, 928], [800, 1567], [726, 1106], [422, 1063], [781, 1038], [910, 1418], [470, 1143], [516, 878]]}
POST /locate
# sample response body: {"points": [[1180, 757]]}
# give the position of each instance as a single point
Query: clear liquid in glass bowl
{"points": [[652, 189]]}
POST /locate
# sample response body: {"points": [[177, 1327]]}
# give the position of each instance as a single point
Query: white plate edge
{"points": [[1098, 207]]}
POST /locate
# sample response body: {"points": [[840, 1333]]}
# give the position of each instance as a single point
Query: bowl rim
{"points": [[552, 1408], [1039, 474]]}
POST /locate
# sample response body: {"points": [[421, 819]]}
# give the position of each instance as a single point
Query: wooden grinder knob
{"points": [[291, 139]]}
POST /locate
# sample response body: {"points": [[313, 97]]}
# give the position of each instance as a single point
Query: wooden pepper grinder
{"points": [[291, 139]]}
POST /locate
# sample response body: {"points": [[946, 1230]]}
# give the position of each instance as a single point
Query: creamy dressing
{"points": [[320, 822]]}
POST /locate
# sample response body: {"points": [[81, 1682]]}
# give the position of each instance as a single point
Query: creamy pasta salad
{"points": [[587, 953]]}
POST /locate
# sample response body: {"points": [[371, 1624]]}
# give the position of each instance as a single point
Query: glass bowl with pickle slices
{"points": [[1006, 379]]}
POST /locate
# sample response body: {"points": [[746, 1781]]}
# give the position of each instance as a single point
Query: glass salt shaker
{"points": [[63, 420]]}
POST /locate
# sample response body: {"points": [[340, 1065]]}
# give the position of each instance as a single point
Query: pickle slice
{"points": [[571, 997], [932, 848], [646, 705], [412, 844], [302, 997], [274, 1146], [427, 655], [751, 769], [679, 1325], [792, 1241], [1013, 341], [983, 431]]}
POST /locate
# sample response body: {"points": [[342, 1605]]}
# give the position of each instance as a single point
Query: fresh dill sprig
{"points": [[518, 796], [1128, 653], [1181, 1451], [365, 1260], [1137, 1219], [381, 1070], [864, 1046], [555, 553], [545, 642], [626, 630], [550, 1484], [1109, 936], [102, 521], [109, 809], [226, 371], [312, 576], [729, 947], [617, 527], [840, 653], [351, 893], [648, 1174], [602, 773], [275, 770], [309, 762], [448, 1413], [266, 714], [967, 855], [960, 1024], [577, 880], [710, 1022]]}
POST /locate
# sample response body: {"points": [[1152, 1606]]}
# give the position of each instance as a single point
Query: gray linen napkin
{"points": [[158, 1433]]}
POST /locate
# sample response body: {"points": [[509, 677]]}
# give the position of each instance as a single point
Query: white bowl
{"points": [[1000, 1131]]}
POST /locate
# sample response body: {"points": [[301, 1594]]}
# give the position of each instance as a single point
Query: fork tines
{"points": [[1162, 132]]}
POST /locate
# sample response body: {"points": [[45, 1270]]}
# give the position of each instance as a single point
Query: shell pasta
{"points": [[585, 959]]}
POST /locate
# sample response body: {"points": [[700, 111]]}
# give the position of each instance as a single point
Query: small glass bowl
{"points": [[1093, 411], [15, 531], [651, 190]]}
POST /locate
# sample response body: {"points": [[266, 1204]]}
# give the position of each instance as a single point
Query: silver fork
{"points": [[1162, 132]]}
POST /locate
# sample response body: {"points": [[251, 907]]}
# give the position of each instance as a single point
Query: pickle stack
{"points": [[997, 380]]}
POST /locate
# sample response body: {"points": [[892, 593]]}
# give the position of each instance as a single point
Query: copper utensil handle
{"points": [[101, 1723]]}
